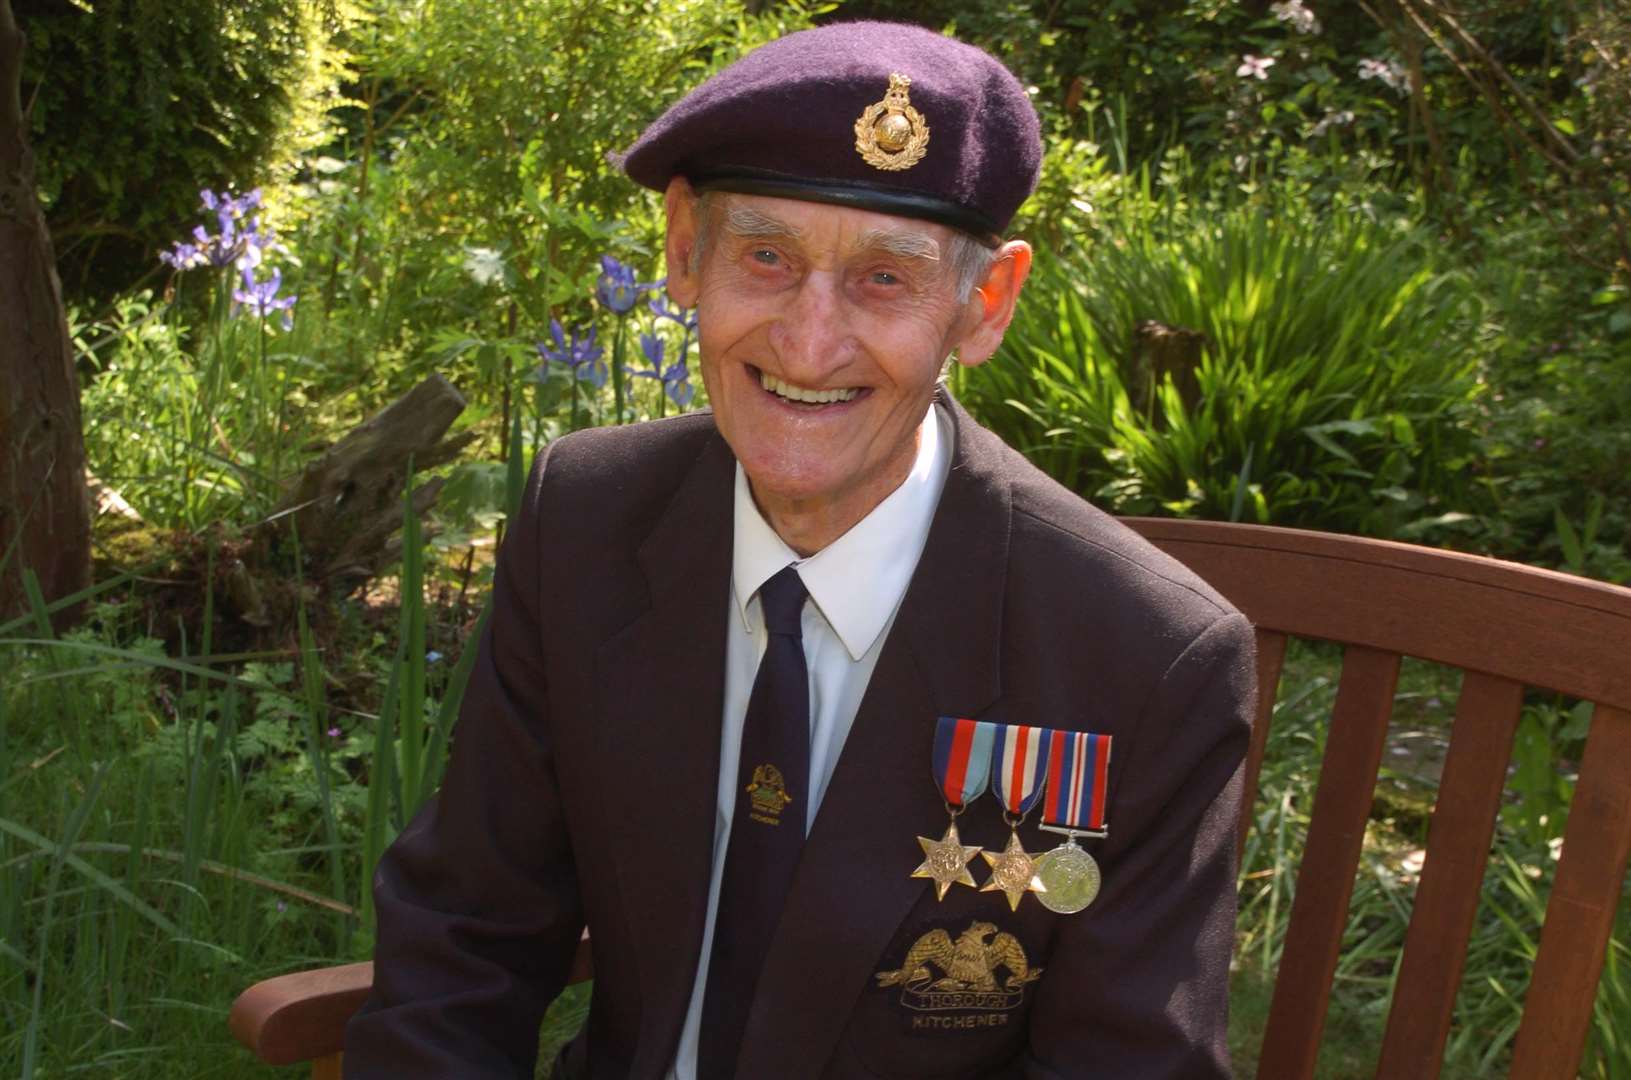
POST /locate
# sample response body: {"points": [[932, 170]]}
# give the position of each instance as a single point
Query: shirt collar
{"points": [[858, 580]]}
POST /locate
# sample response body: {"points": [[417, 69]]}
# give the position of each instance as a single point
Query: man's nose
{"points": [[811, 336]]}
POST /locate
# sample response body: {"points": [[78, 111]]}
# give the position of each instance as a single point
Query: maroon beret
{"points": [[881, 116]]}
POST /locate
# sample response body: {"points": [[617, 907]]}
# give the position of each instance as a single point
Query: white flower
{"points": [[484, 265], [1301, 19], [1391, 73], [1254, 67], [1333, 118]]}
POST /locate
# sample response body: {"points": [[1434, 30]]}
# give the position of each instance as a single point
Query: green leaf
{"points": [[1578, 723], [1569, 540], [112, 887], [1329, 445]]}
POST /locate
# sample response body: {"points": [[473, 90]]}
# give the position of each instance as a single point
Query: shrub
{"points": [[138, 103], [1331, 363]]}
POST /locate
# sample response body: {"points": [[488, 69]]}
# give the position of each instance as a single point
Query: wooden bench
{"points": [[1507, 627]]}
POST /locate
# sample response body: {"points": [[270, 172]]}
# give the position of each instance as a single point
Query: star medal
{"points": [[962, 771], [1020, 759], [1078, 774], [945, 861]]}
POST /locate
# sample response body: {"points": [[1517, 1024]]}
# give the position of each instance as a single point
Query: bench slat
{"points": [[1580, 912], [1469, 798], [1336, 832], [1271, 657]]}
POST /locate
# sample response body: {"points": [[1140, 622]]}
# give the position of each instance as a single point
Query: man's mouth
{"points": [[803, 395]]}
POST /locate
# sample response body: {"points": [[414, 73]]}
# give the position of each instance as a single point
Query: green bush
{"points": [[471, 199], [1335, 360], [136, 104]]}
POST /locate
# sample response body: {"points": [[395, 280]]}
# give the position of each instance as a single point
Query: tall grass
{"points": [[194, 414], [173, 828]]}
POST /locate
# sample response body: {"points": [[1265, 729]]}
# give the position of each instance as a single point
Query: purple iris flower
{"points": [[616, 289], [679, 390], [261, 296], [582, 355], [239, 242], [184, 257], [685, 318], [675, 379]]}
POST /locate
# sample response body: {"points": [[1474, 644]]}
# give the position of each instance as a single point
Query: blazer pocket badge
{"points": [[983, 972]]}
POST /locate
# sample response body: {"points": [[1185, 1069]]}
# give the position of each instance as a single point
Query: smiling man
{"points": [[744, 665]]}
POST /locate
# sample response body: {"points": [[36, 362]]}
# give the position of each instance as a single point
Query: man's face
{"points": [[823, 330]]}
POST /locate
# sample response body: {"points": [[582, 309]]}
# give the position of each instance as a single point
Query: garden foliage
{"points": [[136, 103], [1393, 256], [1334, 361]]}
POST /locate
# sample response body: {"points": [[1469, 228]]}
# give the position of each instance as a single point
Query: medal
{"points": [[945, 861], [1078, 774], [1019, 764], [962, 771]]}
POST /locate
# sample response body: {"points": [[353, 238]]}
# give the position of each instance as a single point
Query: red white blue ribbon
{"points": [[1078, 776], [962, 759], [1020, 759]]}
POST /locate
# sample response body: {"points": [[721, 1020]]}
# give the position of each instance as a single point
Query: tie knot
{"points": [[781, 598]]}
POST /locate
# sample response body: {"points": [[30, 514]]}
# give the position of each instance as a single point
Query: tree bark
{"points": [[45, 523], [347, 504], [1160, 351]]}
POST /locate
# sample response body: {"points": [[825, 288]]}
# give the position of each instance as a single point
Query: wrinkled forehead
{"points": [[821, 227]]}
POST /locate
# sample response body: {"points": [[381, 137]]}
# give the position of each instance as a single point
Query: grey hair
{"points": [[970, 260]]}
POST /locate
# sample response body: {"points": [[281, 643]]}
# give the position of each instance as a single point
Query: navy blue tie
{"points": [[767, 828]]}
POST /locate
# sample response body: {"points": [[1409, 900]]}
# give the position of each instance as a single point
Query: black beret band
{"points": [[884, 200]]}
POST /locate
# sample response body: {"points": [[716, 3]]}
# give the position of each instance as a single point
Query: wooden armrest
{"points": [[302, 1016]]}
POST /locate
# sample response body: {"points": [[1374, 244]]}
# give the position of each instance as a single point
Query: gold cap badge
{"points": [[890, 134]]}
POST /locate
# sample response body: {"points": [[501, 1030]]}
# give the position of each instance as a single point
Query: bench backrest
{"points": [[1508, 628]]}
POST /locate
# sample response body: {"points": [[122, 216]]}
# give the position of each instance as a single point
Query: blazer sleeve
{"points": [[478, 906], [1137, 986]]}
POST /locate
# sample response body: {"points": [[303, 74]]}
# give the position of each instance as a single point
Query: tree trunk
{"points": [[347, 504], [45, 523], [1160, 351]]}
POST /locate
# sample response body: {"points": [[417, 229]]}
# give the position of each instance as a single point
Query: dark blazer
{"points": [[583, 779]]}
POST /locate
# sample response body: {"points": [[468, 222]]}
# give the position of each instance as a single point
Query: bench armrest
{"points": [[302, 1016]]}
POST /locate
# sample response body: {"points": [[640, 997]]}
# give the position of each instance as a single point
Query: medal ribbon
{"points": [[1020, 762], [962, 759], [1078, 774]]}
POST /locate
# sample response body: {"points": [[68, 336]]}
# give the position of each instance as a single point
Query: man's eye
{"points": [[884, 277], [766, 256]]}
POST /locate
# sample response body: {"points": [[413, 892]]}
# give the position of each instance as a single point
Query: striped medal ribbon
{"points": [[1078, 776], [1019, 764], [962, 772]]}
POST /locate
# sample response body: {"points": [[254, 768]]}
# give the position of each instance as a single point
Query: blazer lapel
{"points": [[661, 690], [853, 886]]}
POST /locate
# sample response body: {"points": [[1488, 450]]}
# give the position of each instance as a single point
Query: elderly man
{"points": [[743, 665]]}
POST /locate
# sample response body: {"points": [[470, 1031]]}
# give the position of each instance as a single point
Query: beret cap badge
{"points": [[891, 135]]}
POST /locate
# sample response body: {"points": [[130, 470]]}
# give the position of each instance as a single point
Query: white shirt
{"points": [[855, 584]]}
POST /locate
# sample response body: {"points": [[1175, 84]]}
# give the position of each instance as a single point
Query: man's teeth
{"points": [[799, 393]]}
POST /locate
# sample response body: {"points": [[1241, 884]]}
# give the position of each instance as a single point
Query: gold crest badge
{"points": [[891, 135], [967, 970], [767, 795]]}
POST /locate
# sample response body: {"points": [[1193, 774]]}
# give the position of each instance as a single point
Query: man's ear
{"points": [[680, 203], [992, 305]]}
